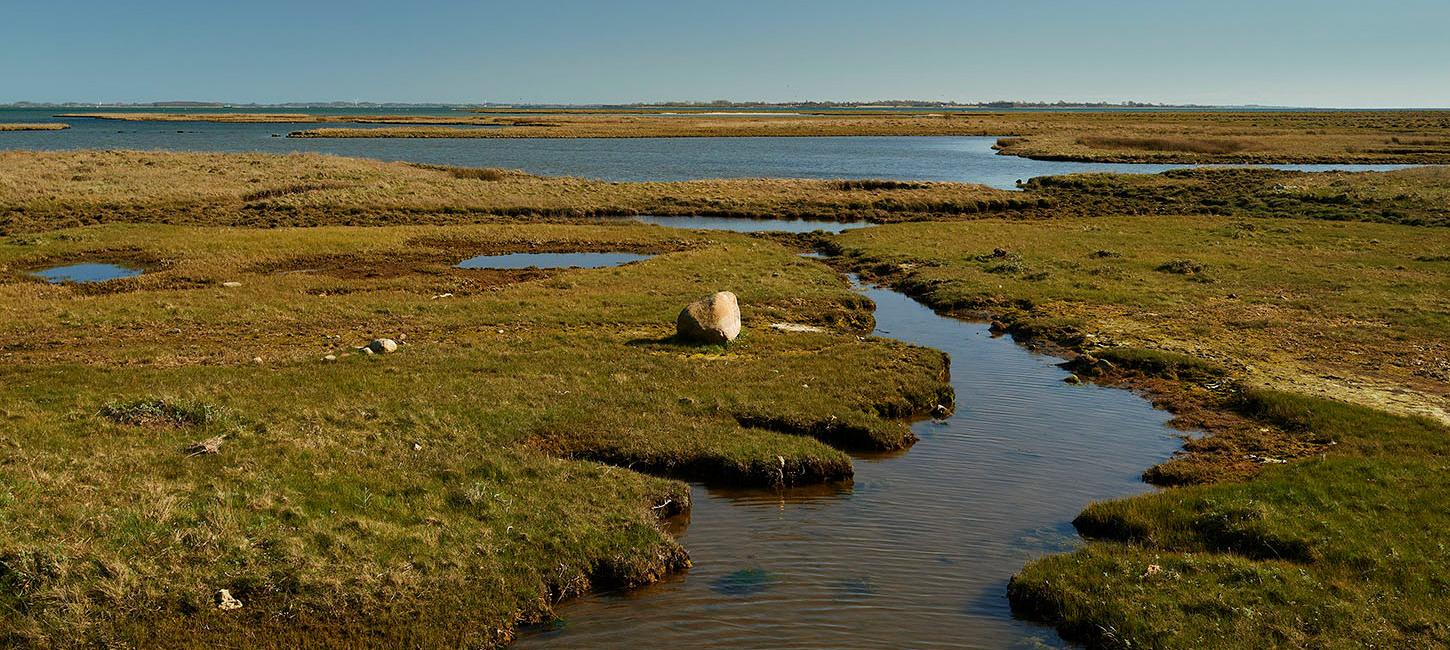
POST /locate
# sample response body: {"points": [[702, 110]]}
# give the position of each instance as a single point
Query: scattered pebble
{"points": [[225, 601], [257, 360], [330, 357], [208, 446]]}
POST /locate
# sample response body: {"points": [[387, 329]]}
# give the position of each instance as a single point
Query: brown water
{"points": [[917, 551]]}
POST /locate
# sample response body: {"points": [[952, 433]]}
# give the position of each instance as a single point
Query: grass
{"points": [[42, 191], [499, 462], [1415, 196], [33, 126], [1165, 144], [1323, 552], [1164, 137], [437, 495], [1298, 520], [1341, 310], [286, 118]]}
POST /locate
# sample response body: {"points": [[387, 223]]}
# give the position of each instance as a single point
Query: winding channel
{"points": [[917, 551]]}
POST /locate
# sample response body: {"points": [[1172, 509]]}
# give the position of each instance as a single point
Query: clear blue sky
{"points": [[1285, 52]]}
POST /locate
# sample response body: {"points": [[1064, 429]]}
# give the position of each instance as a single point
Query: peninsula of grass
{"points": [[288, 118], [33, 126], [41, 191], [49, 190], [1180, 137], [1312, 354], [1346, 310], [1154, 137], [438, 495]]}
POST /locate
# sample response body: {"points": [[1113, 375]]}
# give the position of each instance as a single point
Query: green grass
{"points": [[1301, 521], [1276, 302], [1333, 551], [438, 495]]}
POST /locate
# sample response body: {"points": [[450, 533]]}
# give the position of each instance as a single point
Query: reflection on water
{"points": [[550, 260], [918, 550], [87, 273], [944, 158], [750, 225]]}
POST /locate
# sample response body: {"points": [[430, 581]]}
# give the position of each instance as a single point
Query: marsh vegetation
{"points": [[497, 462]]}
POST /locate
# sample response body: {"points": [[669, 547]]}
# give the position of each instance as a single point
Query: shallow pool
{"points": [[88, 272]]}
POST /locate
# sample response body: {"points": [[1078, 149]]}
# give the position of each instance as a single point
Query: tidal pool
{"points": [[88, 272], [550, 260], [917, 551]]}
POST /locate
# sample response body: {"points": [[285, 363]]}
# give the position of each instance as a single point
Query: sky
{"points": [[1327, 53]]}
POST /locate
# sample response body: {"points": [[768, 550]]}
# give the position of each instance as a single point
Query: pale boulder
{"points": [[715, 319]]}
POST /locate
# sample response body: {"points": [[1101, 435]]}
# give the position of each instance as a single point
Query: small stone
{"points": [[209, 446], [382, 346], [417, 447], [330, 357], [257, 360], [231, 285], [225, 601]]}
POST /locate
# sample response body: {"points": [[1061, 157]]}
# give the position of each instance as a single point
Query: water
{"points": [[947, 158], [737, 224], [550, 260], [917, 551], [87, 273]]}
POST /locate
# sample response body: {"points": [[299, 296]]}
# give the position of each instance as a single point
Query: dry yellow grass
{"points": [[1126, 136], [33, 126], [45, 190], [1177, 137], [286, 118]]}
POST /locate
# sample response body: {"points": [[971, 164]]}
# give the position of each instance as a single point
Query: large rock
{"points": [[715, 319]]}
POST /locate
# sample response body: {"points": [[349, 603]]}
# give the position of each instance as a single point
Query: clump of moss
{"points": [[1161, 363], [880, 184], [161, 412]]}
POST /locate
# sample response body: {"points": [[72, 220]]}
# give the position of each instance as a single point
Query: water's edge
{"points": [[920, 546]]}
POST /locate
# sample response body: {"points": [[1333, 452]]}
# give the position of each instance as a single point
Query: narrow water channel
{"points": [[917, 551]]}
